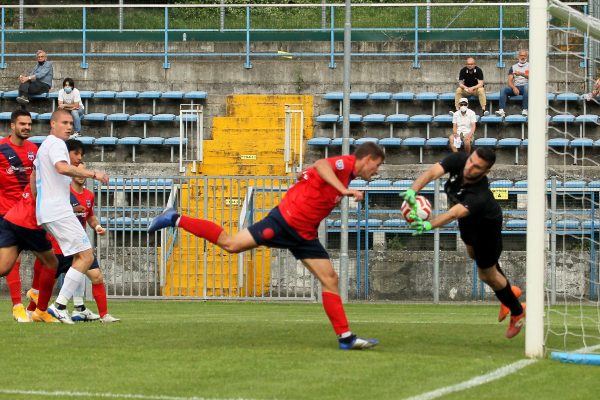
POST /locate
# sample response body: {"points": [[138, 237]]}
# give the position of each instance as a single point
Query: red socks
{"points": [[332, 303], [99, 293], [201, 228], [46, 286], [35, 284], [13, 280]]}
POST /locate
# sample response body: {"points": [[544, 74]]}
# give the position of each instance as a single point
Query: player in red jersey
{"points": [[16, 163], [293, 225]]}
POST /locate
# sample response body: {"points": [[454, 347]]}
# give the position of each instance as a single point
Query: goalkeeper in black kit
{"points": [[479, 218]]}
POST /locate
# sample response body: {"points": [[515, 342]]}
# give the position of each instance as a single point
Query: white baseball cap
{"points": [[463, 100]]}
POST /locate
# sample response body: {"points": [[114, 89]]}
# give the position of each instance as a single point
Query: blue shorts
{"points": [[23, 238], [273, 231], [64, 263]]}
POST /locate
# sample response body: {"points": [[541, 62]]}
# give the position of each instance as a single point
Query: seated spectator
{"points": [[463, 127], [518, 84], [69, 99], [39, 79], [470, 83], [595, 91]]}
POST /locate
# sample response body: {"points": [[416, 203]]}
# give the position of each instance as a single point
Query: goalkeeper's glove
{"points": [[410, 197], [420, 227]]}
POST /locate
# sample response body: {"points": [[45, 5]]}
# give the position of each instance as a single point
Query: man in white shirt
{"points": [[463, 127], [518, 84], [52, 175]]}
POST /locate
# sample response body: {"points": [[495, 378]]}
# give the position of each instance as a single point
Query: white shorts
{"points": [[69, 234]]}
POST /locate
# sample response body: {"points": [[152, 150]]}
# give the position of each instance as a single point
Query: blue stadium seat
{"points": [[5, 115], [11, 94], [594, 184], [515, 119], [153, 140], [395, 223], [39, 96], [358, 183], [550, 96], [87, 140], [587, 119], [174, 142], [94, 117], [187, 118], [105, 141], [447, 96], [492, 96], [328, 118], [567, 96], [173, 94], [44, 116], [422, 119], [563, 118], [130, 141], [589, 224], [519, 224], [396, 119], [565, 224], [390, 142], [581, 142], [380, 96], [105, 94], [491, 119], [339, 96], [319, 141], [195, 95], [438, 142], [443, 119], [37, 139], [362, 140], [403, 183], [145, 118], [402, 96], [501, 184], [575, 184], [374, 118], [558, 142], [338, 141], [371, 222], [125, 95], [486, 142], [150, 94], [117, 117], [380, 183], [33, 115], [511, 143], [415, 142], [522, 184], [428, 96], [163, 117]]}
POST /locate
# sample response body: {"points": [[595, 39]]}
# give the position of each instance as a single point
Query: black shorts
{"points": [[486, 241], [23, 238], [273, 231], [64, 263]]}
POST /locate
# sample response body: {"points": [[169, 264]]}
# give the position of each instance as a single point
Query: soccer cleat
{"points": [[22, 100], [486, 113], [358, 343], [19, 313], [162, 220], [501, 113], [43, 316], [33, 295], [84, 316], [524, 113], [504, 311], [515, 325], [107, 318], [61, 315]]}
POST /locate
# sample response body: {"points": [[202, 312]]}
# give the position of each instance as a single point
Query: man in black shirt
{"points": [[479, 221], [470, 83]]}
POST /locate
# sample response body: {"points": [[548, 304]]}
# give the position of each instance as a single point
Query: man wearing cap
{"points": [[463, 127], [470, 83]]}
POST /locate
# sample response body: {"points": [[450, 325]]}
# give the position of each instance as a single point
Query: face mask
{"points": [[521, 64], [68, 89], [463, 108]]}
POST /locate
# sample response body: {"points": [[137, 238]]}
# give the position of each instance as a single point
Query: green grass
{"points": [[277, 351]]}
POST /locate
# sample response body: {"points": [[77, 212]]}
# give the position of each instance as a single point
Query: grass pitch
{"points": [[175, 350]]}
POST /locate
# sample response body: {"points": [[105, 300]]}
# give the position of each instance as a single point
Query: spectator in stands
{"points": [[39, 79], [293, 225], [518, 84], [479, 221], [463, 127], [69, 99], [470, 83], [595, 91]]}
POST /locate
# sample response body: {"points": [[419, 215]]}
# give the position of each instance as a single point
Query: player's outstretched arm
{"points": [[64, 168], [434, 172]]}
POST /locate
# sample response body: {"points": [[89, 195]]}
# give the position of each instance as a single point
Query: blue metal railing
{"points": [[415, 31]]}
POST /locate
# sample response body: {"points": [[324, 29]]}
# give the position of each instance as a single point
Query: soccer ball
{"points": [[423, 209]]}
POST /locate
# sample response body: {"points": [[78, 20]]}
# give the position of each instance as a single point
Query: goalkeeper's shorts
{"points": [[486, 241]]}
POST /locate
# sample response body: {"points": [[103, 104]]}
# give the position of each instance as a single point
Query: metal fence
{"points": [[405, 28]]}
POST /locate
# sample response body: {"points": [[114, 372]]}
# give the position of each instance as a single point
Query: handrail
{"points": [[249, 32]]}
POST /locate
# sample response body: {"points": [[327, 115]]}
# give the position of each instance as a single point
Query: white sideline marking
{"points": [[64, 394], [478, 380]]}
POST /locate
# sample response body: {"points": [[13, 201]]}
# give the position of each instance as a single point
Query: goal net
{"points": [[572, 233]]}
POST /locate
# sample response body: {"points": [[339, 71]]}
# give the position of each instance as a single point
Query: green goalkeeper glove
{"points": [[420, 227], [410, 197]]}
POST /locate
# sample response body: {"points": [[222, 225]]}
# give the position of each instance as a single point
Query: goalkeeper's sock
{"points": [[508, 298], [201, 228], [332, 303]]}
